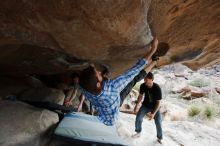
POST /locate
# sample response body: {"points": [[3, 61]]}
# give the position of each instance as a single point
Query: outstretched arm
{"points": [[144, 72], [150, 66], [153, 49], [121, 82]]}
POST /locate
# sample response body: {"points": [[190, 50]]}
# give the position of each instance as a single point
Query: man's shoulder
{"points": [[157, 86], [143, 85]]}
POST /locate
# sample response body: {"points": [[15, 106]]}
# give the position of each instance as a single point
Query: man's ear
{"points": [[98, 84]]}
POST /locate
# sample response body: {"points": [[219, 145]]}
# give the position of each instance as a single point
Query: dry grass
{"points": [[209, 112], [193, 111]]}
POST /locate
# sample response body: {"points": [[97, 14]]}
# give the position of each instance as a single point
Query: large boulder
{"points": [[43, 94], [25, 125], [12, 86], [15, 85], [49, 37]]}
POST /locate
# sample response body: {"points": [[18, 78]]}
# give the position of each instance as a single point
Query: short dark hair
{"points": [[88, 79], [150, 76], [75, 75]]}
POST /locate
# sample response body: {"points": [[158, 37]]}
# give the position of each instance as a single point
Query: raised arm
{"points": [[153, 49], [121, 81], [150, 66]]}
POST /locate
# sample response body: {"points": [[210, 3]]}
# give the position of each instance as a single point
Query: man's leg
{"points": [[158, 123], [130, 85], [139, 118]]}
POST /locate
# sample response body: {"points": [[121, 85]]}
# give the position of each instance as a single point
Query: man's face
{"points": [[98, 75], [76, 80], [148, 82]]}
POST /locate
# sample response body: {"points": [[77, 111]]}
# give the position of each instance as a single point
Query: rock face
{"points": [[190, 27], [24, 125], [46, 37], [43, 94], [49, 37]]}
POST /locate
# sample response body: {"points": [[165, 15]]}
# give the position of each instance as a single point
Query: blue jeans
{"points": [[157, 119]]}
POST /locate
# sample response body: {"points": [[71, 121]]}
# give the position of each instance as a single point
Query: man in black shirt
{"points": [[150, 106]]}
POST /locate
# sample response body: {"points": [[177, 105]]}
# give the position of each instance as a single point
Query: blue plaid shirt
{"points": [[107, 103]]}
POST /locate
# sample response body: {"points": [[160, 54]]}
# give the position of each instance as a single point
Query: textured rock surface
{"points": [[47, 37], [43, 94], [12, 86], [36, 36], [24, 125], [190, 27]]}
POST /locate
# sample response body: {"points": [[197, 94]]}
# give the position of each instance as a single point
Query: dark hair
{"points": [[74, 75], [150, 76], [88, 79]]}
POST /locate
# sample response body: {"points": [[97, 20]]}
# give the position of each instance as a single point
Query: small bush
{"points": [[209, 112], [193, 111]]}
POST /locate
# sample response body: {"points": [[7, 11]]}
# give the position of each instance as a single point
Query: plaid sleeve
{"points": [[121, 81]]}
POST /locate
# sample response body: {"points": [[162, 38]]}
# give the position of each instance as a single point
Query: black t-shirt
{"points": [[151, 94]]}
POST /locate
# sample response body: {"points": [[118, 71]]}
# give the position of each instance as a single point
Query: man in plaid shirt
{"points": [[105, 95]]}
